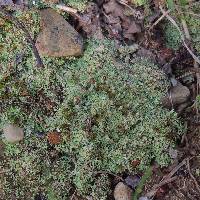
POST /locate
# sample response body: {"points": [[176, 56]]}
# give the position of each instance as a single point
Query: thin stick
{"points": [[191, 175], [196, 64], [125, 4], [176, 169], [157, 186], [159, 19], [167, 179], [23, 28], [182, 36], [69, 10], [66, 8]]}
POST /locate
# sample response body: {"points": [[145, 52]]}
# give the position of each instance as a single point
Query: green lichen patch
{"points": [[107, 111], [80, 5], [172, 35]]}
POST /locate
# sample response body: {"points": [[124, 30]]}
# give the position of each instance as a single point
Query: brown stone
{"points": [[57, 37], [13, 133], [122, 192], [177, 95]]}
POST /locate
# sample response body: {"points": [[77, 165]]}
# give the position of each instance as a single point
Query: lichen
{"points": [[107, 111], [172, 35]]}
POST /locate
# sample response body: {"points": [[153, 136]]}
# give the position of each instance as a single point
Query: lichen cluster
{"points": [[107, 111], [172, 35], [80, 5]]}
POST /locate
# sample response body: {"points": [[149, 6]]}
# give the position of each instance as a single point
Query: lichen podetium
{"points": [[107, 111]]}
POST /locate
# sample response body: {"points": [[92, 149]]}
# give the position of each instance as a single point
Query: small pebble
{"points": [[143, 198], [122, 192], [13, 133], [132, 181]]}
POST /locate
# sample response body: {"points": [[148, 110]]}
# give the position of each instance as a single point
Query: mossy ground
{"points": [[80, 5], [172, 35], [106, 110]]}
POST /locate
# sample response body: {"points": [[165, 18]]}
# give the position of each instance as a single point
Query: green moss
{"points": [[107, 110], [80, 5], [77, 4], [172, 36]]}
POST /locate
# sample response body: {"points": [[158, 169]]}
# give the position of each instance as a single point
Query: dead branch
{"points": [[182, 36], [18, 24], [167, 179], [70, 10], [157, 186], [66, 8], [159, 19]]}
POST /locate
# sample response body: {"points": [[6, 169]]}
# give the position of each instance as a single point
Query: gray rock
{"points": [[177, 95], [13, 133], [57, 37], [132, 181], [122, 192], [143, 198], [173, 153]]}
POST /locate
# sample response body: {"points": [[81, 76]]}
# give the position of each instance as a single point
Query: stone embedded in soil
{"points": [[177, 95], [132, 181], [57, 37], [143, 198], [13, 133], [122, 192]]}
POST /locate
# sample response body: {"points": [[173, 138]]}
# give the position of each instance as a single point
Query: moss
{"points": [[77, 4], [80, 5], [172, 36], [107, 110]]}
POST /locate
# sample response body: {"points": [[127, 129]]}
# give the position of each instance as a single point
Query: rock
{"points": [[143, 198], [13, 133], [177, 95], [132, 181], [57, 37], [122, 192], [173, 153], [182, 107]]}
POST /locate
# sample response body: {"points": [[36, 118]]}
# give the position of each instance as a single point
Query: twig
{"points": [[182, 36], [191, 175], [196, 64], [23, 28], [159, 19], [159, 185], [167, 179], [69, 10], [66, 8], [176, 169], [125, 4]]}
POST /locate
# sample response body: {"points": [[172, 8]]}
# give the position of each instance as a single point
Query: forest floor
{"points": [[148, 26]]}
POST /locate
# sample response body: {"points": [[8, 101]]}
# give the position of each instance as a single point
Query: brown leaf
{"points": [[90, 23], [115, 8], [54, 137]]}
